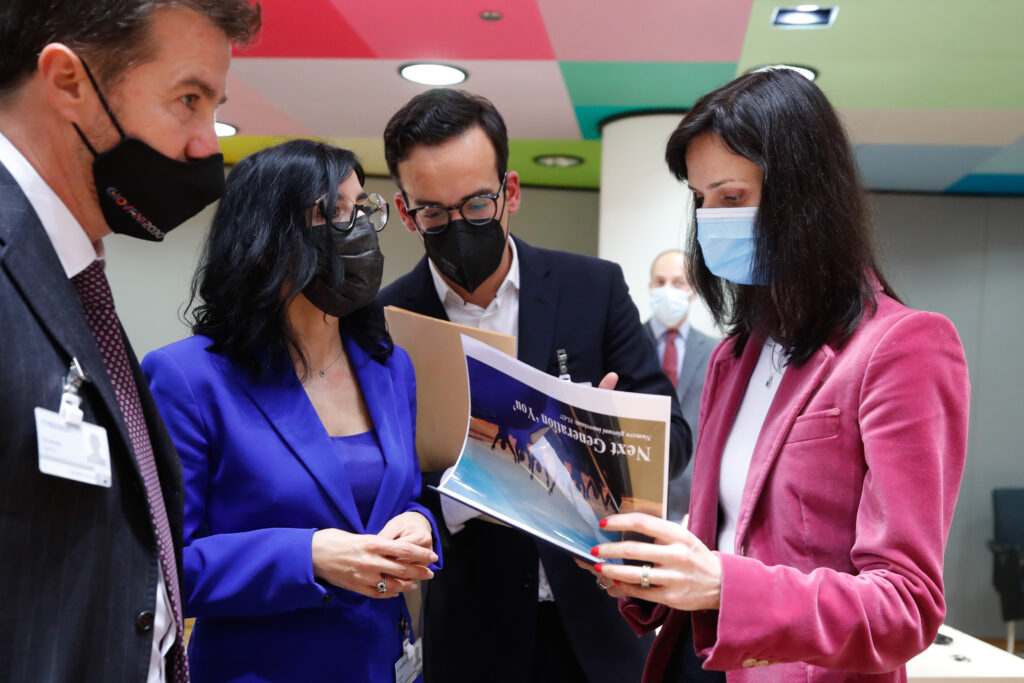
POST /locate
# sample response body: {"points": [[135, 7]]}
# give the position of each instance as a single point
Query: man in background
{"points": [[683, 353], [106, 125], [508, 607]]}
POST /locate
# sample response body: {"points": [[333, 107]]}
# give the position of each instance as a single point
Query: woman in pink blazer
{"points": [[833, 424]]}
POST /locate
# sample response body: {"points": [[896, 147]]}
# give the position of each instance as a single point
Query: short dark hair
{"points": [[110, 34], [435, 117], [813, 233], [260, 254]]}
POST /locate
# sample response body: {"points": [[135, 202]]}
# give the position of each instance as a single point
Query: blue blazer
{"points": [[261, 475]]}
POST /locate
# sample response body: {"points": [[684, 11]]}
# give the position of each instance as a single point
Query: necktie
{"points": [[94, 293], [671, 358]]}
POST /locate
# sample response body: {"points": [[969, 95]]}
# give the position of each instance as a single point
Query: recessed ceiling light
{"points": [[490, 15], [805, 71], [224, 130], [558, 160], [432, 74], [804, 16]]}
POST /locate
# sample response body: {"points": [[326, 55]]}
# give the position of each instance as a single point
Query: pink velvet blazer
{"points": [[836, 574]]}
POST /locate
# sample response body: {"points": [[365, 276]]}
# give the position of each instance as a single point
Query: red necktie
{"points": [[671, 358], [94, 293]]}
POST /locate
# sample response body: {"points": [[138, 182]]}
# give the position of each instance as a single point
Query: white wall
{"points": [[961, 256]]}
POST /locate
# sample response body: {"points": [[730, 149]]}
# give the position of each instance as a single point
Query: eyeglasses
{"points": [[346, 213], [477, 210]]}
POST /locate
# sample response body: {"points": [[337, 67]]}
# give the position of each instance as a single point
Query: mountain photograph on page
{"points": [[554, 458]]}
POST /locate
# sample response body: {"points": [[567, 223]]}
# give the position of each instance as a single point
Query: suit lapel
{"points": [[691, 359], [285, 405], [379, 392], [422, 296], [728, 378], [538, 295], [795, 389], [52, 298]]}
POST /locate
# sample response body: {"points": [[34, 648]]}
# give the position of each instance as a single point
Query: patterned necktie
{"points": [[671, 357], [94, 292]]}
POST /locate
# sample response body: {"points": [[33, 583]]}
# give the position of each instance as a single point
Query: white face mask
{"points": [[670, 304]]}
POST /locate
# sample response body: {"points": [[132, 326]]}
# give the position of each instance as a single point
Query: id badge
{"points": [[410, 664], [72, 449]]}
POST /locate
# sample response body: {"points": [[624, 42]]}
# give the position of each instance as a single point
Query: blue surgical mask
{"points": [[726, 238]]}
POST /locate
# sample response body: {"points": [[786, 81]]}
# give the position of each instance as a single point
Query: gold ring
{"points": [[645, 576]]}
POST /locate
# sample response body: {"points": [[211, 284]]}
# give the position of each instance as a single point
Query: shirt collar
{"points": [[659, 329], [447, 295], [69, 240]]}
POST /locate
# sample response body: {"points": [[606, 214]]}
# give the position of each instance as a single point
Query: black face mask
{"points": [[467, 254], [145, 194], [349, 271]]}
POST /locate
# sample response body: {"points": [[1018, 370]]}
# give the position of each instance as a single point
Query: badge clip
{"points": [[70, 401]]}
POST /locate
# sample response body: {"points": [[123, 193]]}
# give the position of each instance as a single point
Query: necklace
{"points": [[775, 364], [323, 372]]}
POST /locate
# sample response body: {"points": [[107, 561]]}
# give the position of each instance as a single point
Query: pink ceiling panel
{"points": [[254, 114], [647, 30], [305, 28], [449, 29], [367, 92]]}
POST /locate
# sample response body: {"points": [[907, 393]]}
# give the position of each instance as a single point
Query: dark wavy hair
{"points": [[260, 254], [435, 117], [813, 233]]}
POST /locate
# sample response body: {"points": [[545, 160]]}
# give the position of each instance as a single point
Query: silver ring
{"points": [[382, 587], [601, 584], [645, 576]]}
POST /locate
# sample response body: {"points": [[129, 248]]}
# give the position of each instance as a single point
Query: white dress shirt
{"points": [[501, 315], [660, 332], [739, 448], [76, 252]]}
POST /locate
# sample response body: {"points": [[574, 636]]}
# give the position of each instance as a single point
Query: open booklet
{"points": [[553, 458]]}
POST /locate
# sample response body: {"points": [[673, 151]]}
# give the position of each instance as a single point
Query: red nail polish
{"points": [[617, 582], [597, 567], [594, 552], [603, 523]]}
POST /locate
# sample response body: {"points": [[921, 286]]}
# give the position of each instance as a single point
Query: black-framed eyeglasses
{"points": [[477, 210], [345, 214]]}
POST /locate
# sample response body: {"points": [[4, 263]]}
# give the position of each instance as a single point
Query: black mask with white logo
{"points": [[145, 194], [467, 254], [349, 271]]}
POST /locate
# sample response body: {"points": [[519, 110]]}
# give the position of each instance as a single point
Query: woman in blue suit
{"points": [[294, 417]]}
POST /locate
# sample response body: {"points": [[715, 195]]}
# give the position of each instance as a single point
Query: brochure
{"points": [[442, 395], [553, 458]]}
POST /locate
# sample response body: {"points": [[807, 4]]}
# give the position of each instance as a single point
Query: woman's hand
{"points": [[411, 527], [684, 574], [359, 562]]}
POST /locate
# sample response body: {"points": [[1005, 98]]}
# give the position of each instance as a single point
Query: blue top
{"points": [[364, 463]]}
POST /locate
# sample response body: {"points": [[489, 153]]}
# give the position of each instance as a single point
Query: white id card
{"points": [[72, 451], [410, 664]]}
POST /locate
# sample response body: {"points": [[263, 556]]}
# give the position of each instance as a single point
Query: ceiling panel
{"points": [[647, 30], [917, 168], [929, 89], [449, 29]]}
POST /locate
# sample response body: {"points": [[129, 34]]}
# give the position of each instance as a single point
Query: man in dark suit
{"points": [[90, 485], [508, 607], [684, 353]]}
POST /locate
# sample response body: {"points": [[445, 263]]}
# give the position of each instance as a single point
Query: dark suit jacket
{"points": [[480, 611], [78, 563], [689, 386]]}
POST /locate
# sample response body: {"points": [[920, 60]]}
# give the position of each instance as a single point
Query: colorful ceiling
{"points": [[931, 91]]}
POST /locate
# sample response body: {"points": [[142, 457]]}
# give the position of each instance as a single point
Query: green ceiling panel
{"points": [[926, 54], [643, 85], [585, 176], [590, 119]]}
